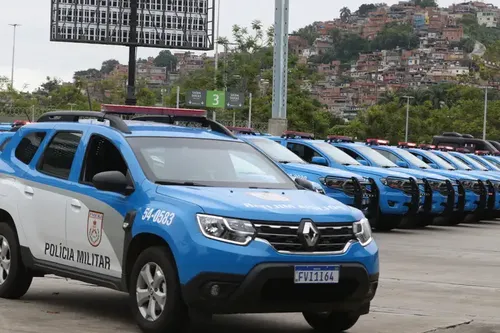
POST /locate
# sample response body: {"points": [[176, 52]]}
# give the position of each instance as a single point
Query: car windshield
{"points": [[216, 163], [335, 154], [486, 163], [412, 159], [470, 161], [375, 157], [453, 160], [276, 151], [493, 160], [439, 161]]}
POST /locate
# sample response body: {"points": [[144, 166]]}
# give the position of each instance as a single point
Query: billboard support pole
{"points": [[132, 55]]}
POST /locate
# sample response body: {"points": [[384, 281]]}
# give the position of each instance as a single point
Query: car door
{"points": [[43, 208], [94, 218]]}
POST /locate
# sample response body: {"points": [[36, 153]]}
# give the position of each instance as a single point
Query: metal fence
{"points": [[10, 114]]}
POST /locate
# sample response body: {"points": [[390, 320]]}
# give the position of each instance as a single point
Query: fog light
{"points": [[215, 290]]}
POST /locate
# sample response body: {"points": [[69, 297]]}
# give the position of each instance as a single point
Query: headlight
{"points": [[397, 183], [234, 231], [338, 183], [438, 186], [471, 185], [363, 231]]}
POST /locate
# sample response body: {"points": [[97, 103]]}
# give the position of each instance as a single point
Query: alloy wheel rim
{"points": [[151, 291], [5, 259]]}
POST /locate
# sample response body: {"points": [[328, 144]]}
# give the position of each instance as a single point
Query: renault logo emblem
{"points": [[308, 233]]}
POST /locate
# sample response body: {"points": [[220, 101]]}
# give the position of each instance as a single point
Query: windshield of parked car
{"points": [[412, 159], [439, 161], [453, 160], [276, 151], [375, 157], [215, 163], [335, 154], [486, 163], [493, 160], [472, 163]]}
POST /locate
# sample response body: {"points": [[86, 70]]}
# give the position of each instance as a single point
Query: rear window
{"points": [[28, 146]]}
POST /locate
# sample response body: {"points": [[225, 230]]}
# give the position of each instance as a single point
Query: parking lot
{"points": [[441, 279]]}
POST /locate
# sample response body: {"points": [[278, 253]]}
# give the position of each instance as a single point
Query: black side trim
{"points": [[428, 197], [358, 193], [481, 205], [373, 207], [491, 195], [414, 205], [47, 267], [461, 198], [127, 227]]}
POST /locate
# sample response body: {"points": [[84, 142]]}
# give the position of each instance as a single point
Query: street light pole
{"points": [[217, 43], [407, 115], [15, 25], [485, 111]]}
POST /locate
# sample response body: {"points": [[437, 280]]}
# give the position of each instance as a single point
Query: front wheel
{"points": [[333, 322], [15, 279], [155, 294]]}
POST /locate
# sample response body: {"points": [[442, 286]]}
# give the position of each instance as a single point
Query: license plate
{"points": [[317, 274]]}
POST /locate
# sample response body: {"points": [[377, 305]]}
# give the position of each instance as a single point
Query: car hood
{"points": [[374, 171], [321, 171], [483, 175], [420, 173], [264, 205], [455, 174]]}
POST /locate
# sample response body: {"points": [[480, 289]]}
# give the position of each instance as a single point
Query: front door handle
{"points": [[29, 191], [76, 204]]}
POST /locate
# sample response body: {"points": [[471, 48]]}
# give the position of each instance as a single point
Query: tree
{"points": [[166, 59], [309, 33], [345, 14], [426, 3], [108, 66], [364, 9]]}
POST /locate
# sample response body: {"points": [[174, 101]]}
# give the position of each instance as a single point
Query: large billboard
{"points": [[175, 24]]}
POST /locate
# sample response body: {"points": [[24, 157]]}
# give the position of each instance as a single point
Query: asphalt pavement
{"points": [[440, 279]]}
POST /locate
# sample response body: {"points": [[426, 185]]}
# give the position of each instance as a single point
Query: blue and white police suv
{"points": [[186, 220]]}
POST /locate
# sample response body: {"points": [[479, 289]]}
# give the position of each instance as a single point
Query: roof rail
{"points": [[75, 116]]}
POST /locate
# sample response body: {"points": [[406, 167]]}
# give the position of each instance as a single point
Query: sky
{"points": [[36, 57]]}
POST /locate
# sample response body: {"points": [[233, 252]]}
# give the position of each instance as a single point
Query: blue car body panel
{"points": [[439, 200], [471, 198], [391, 201]]}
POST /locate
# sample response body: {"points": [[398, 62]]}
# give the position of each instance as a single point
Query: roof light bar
{"points": [[407, 145], [151, 110], [482, 152], [294, 134], [339, 138], [445, 148], [379, 142], [426, 146], [463, 150]]}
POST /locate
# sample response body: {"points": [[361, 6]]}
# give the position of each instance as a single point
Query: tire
{"points": [[388, 222], [15, 282], [174, 316], [334, 322]]}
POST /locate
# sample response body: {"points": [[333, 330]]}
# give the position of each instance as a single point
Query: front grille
{"points": [[284, 237]]}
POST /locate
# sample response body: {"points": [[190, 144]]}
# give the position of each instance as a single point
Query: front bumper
{"points": [[270, 288]]}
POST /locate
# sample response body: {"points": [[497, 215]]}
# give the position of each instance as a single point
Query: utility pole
{"points": [[15, 25], [407, 115], [485, 110], [217, 44]]}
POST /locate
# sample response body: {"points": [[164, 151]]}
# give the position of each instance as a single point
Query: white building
{"points": [[487, 18]]}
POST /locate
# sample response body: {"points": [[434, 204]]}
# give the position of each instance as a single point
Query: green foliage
{"points": [[309, 33], [426, 3], [109, 65], [165, 59], [364, 9], [472, 29], [433, 111]]}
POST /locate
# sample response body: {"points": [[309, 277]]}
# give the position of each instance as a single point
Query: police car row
{"points": [[395, 186], [191, 220]]}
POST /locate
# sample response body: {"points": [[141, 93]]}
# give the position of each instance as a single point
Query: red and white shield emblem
{"points": [[94, 228]]}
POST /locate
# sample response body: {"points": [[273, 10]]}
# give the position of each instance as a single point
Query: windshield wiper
{"points": [[284, 162], [179, 183]]}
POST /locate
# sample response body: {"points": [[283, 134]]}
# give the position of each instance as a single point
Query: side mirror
{"points": [[319, 160], [305, 184], [112, 181], [363, 162], [432, 165], [402, 164]]}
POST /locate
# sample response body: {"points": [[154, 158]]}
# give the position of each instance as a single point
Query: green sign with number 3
{"points": [[216, 99]]}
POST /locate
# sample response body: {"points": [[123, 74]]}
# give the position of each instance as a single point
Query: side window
{"points": [[302, 151], [352, 153], [465, 162], [390, 156], [58, 157], [101, 156], [423, 158], [2, 146], [27, 148]]}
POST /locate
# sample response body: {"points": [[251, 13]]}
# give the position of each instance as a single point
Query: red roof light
{"points": [[377, 142], [303, 135], [482, 152], [426, 146], [407, 144], [446, 148], [151, 110]]}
